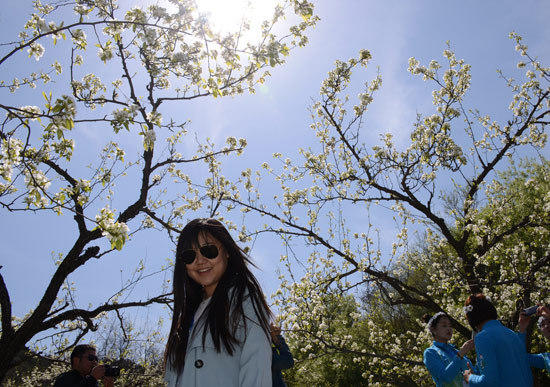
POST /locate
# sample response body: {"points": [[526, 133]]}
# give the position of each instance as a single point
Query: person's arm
{"points": [[438, 370], [282, 357], [536, 360], [489, 376], [474, 367], [255, 360], [523, 324]]}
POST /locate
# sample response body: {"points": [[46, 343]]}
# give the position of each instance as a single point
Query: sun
{"points": [[227, 16]]}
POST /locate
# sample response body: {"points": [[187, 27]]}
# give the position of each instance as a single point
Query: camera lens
{"points": [[112, 371]]}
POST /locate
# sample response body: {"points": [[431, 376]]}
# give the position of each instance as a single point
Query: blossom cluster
{"points": [[116, 232]]}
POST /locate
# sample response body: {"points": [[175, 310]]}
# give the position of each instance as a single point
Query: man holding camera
{"points": [[85, 370]]}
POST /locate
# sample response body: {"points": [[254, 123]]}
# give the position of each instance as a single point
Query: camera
{"points": [[112, 371], [531, 310]]}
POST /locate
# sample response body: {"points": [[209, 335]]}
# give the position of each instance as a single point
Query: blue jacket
{"points": [[444, 364], [250, 365], [281, 360], [537, 360], [501, 358]]}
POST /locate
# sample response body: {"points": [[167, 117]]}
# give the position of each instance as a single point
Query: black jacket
{"points": [[281, 360], [74, 379]]}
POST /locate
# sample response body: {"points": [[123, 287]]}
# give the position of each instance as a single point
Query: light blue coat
{"points": [[501, 358], [249, 366], [444, 365]]}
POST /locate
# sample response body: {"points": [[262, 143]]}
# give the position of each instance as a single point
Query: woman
{"points": [[442, 359], [501, 355], [220, 326], [537, 360]]}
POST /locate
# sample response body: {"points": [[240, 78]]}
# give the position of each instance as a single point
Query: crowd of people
{"points": [[502, 359], [222, 332]]}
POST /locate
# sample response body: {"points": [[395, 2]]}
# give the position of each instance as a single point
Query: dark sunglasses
{"points": [[93, 358], [207, 251]]}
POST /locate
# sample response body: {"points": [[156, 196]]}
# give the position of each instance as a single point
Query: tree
{"points": [[325, 363], [146, 58], [442, 184], [138, 352]]}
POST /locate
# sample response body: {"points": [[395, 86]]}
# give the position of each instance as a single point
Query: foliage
{"points": [[336, 338], [315, 362], [481, 232], [115, 71]]}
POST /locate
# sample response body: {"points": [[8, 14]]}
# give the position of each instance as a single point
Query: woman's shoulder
{"points": [[432, 357], [251, 309], [490, 336], [247, 299], [430, 351]]}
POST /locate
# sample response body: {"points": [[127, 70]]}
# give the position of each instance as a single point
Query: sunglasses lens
{"points": [[188, 256], [92, 358], [209, 251]]}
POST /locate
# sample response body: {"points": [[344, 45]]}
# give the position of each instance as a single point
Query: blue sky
{"points": [[275, 119]]}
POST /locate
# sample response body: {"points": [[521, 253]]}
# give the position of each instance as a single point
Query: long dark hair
{"points": [[225, 310]]}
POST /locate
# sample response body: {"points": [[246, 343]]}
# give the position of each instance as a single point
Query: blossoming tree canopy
{"points": [[446, 185], [114, 69]]}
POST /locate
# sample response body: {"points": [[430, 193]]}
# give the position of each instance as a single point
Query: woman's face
{"points": [[204, 271], [443, 330]]}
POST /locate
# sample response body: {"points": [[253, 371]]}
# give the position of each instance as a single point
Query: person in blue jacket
{"points": [[281, 356], [444, 362], [537, 360], [220, 326], [501, 355]]}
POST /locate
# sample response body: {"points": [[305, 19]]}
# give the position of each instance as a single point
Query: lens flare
{"points": [[227, 16]]}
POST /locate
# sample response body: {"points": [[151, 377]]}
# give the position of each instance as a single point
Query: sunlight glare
{"points": [[226, 16]]}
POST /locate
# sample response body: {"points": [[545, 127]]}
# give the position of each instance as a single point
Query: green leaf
{"points": [[118, 244]]}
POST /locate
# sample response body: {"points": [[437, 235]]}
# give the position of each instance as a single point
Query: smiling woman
{"points": [[220, 326]]}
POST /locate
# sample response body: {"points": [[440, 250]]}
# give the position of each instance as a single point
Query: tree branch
{"points": [[84, 314], [5, 308]]}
